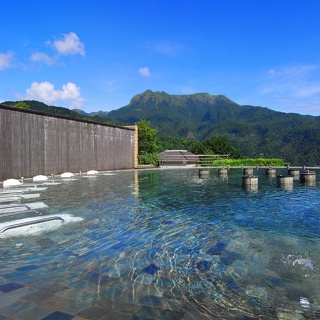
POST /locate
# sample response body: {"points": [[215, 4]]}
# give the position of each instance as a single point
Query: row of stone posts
{"points": [[250, 182], [205, 173]]}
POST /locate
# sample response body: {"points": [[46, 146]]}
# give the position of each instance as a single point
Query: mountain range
{"points": [[256, 131], [65, 112]]}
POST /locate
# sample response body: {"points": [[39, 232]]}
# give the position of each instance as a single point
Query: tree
{"points": [[146, 138], [172, 143], [216, 145], [200, 148], [21, 105]]}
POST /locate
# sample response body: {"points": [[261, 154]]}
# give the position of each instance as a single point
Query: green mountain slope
{"points": [[75, 114], [257, 131]]}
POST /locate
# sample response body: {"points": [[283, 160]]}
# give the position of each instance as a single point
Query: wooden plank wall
{"points": [[33, 144]]}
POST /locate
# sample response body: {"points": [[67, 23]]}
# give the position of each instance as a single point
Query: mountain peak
{"points": [[154, 98], [254, 130]]}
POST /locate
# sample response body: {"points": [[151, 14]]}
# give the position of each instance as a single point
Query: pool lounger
{"points": [[26, 185], [17, 197], [27, 223], [29, 206], [10, 191], [50, 183], [10, 198], [15, 213], [14, 205], [27, 189], [34, 185], [30, 196]]}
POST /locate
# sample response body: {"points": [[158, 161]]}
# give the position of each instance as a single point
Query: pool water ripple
{"points": [[167, 240]]}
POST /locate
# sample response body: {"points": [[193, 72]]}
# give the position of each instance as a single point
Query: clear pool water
{"points": [[165, 244]]}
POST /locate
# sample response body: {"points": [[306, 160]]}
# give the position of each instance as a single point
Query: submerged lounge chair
{"points": [[11, 182]]}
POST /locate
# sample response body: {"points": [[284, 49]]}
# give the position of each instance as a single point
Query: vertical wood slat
{"points": [[33, 143]]}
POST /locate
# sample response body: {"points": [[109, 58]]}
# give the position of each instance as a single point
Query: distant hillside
{"points": [[257, 131], [102, 114], [75, 114], [81, 112]]}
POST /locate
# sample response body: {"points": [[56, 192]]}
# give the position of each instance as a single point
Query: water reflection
{"points": [[171, 244]]}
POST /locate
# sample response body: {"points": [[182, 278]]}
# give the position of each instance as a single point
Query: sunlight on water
{"points": [[168, 239]]}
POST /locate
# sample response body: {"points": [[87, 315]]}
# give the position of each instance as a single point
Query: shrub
{"points": [[149, 158], [263, 162]]}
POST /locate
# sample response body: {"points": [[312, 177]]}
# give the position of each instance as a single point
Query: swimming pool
{"points": [[165, 244]]}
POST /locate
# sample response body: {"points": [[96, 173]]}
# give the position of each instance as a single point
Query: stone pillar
{"points": [[136, 144], [247, 171], [222, 172], [285, 182], [250, 182], [270, 172], [204, 173], [308, 177], [295, 173]]}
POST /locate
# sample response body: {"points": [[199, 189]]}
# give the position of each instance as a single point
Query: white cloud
{"points": [[294, 72], [295, 81], [293, 88], [309, 91], [166, 48], [187, 90], [145, 72], [45, 92], [6, 60], [42, 58], [69, 45]]}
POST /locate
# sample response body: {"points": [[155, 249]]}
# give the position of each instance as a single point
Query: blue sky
{"points": [[96, 55]]}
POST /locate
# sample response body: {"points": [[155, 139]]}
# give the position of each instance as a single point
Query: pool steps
{"points": [[13, 193]]}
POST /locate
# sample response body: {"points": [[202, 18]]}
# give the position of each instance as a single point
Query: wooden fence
{"points": [[33, 143]]}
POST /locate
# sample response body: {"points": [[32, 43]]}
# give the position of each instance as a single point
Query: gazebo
{"points": [[177, 158]]}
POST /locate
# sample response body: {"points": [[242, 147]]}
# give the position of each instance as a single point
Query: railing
{"points": [[28, 223], [183, 160]]}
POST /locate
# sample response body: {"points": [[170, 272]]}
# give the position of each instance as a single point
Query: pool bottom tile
{"points": [[54, 302], [37, 296], [34, 312], [57, 315], [6, 299], [7, 287], [11, 310], [53, 287], [72, 307], [93, 312], [19, 293]]}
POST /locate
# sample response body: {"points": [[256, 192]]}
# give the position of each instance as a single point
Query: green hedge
{"points": [[250, 162], [149, 158]]}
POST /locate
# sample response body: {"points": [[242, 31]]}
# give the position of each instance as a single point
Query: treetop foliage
{"points": [[65, 112], [216, 145], [21, 105], [146, 137]]}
